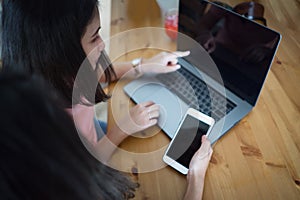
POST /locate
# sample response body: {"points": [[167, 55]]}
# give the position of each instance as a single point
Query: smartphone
{"points": [[187, 139]]}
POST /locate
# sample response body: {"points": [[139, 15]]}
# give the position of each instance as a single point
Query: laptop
{"points": [[222, 77]]}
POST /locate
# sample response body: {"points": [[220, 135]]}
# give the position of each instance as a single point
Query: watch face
{"points": [[135, 65], [136, 62]]}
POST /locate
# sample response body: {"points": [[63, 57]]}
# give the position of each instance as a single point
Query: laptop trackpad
{"points": [[172, 108]]}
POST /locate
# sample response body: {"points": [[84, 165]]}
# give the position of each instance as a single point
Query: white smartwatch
{"points": [[136, 65]]}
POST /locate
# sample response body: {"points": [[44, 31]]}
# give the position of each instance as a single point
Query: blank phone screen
{"points": [[188, 140]]}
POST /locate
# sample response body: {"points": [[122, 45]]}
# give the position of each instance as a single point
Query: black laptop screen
{"points": [[241, 49]]}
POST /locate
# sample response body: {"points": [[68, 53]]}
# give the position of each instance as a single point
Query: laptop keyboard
{"points": [[196, 93]]}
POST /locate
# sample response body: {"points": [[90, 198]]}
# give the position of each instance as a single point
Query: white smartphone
{"points": [[187, 139]]}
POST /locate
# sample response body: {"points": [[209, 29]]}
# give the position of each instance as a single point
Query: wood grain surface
{"points": [[257, 159]]}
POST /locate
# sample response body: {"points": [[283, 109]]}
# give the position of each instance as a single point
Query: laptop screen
{"points": [[241, 49]]}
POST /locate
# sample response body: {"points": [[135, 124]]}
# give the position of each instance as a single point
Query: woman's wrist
{"points": [[137, 66], [116, 135], [195, 186], [195, 177]]}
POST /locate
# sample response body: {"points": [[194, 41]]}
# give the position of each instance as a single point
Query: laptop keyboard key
{"points": [[196, 93]]}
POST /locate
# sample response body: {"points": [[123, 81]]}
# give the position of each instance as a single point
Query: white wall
{"points": [[105, 16]]}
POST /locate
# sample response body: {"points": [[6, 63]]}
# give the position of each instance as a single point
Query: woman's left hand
{"points": [[163, 62]]}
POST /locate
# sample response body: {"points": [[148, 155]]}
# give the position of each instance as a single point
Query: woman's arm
{"points": [[194, 188], [197, 170], [140, 117], [106, 146], [161, 63]]}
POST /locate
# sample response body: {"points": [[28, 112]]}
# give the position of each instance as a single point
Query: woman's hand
{"points": [[163, 62], [197, 170], [200, 160], [137, 119], [140, 117]]}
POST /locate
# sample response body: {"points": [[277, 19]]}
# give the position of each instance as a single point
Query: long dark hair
{"points": [[41, 154], [44, 37]]}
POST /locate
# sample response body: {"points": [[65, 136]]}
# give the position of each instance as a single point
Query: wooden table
{"points": [[257, 159]]}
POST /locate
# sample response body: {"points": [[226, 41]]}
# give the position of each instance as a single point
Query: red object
{"points": [[171, 25]]}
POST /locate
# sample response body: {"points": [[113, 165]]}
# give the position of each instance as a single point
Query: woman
{"points": [[43, 158], [53, 38]]}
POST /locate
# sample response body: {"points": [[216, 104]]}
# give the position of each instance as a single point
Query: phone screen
{"points": [[187, 141]]}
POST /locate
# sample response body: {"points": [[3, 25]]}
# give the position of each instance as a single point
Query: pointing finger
{"points": [[181, 53]]}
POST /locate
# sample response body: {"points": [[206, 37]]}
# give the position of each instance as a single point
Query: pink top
{"points": [[84, 120]]}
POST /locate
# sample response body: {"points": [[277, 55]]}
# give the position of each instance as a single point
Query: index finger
{"points": [[181, 53]]}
